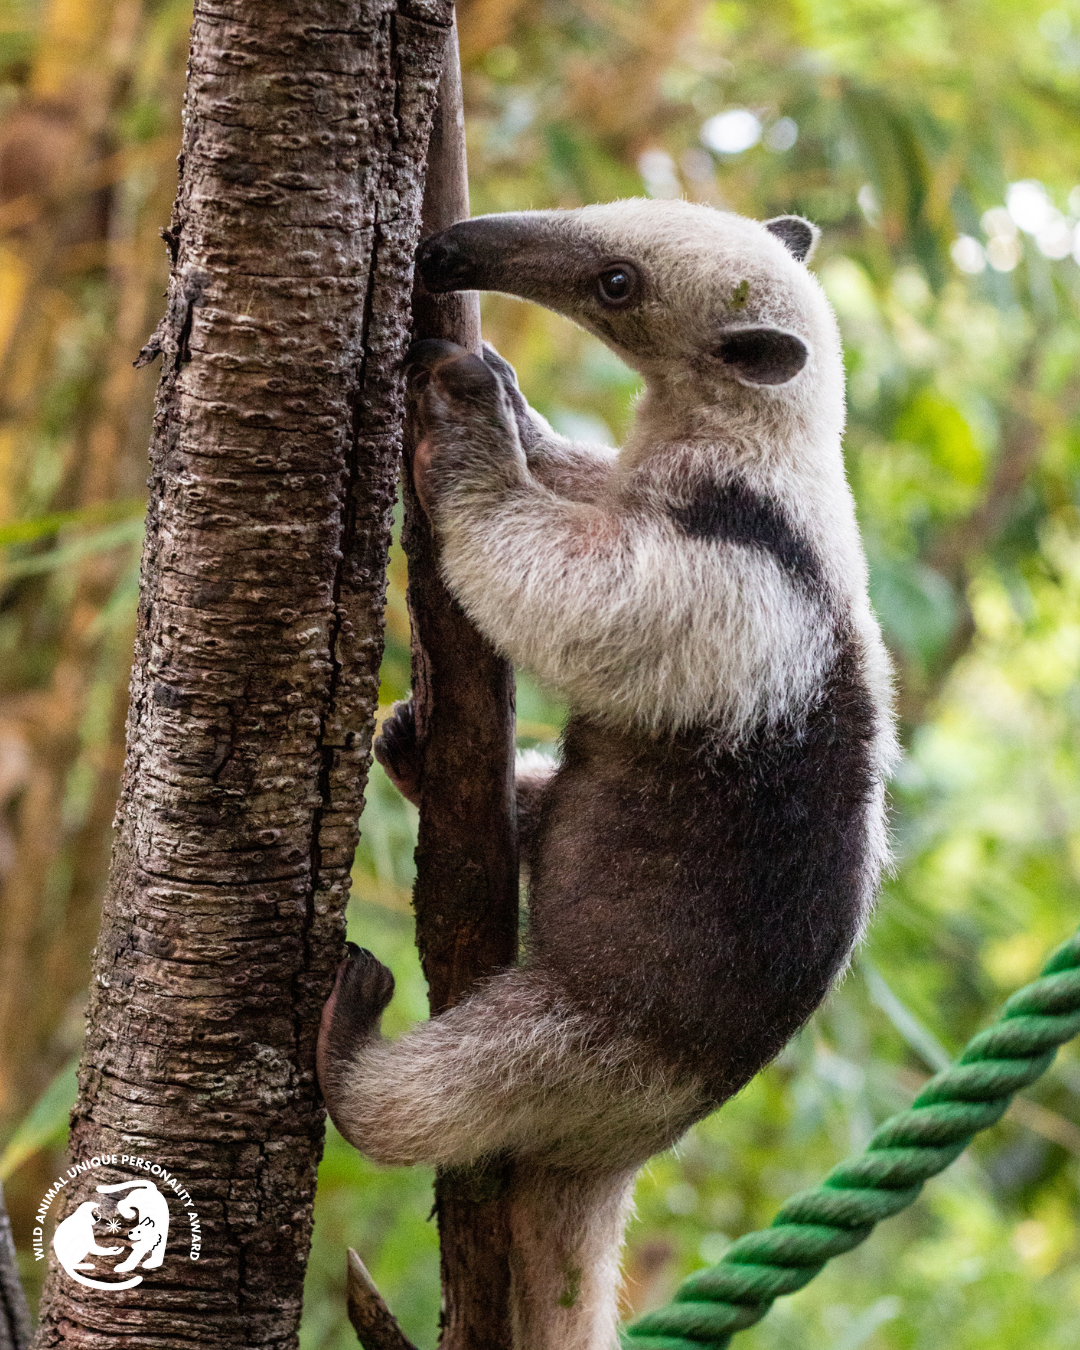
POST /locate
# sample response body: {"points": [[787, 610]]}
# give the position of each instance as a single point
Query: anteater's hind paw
{"points": [[397, 751], [351, 1016]]}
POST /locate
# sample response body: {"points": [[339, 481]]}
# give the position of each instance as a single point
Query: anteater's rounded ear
{"points": [[763, 355], [798, 235]]}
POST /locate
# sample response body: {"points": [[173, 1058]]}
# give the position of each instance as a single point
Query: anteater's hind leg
{"points": [[514, 1070], [567, 1232]]}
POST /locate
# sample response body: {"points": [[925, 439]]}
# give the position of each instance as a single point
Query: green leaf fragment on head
{"points": [[740, 295], [571, 1287]]}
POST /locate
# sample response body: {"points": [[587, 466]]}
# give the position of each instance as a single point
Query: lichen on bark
{"points": [[255, 680]]}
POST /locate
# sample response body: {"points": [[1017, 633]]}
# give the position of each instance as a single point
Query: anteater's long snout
{"points": [[514, 253], [444, 261]]}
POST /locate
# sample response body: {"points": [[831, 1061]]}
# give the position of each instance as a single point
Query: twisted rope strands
{"points": [[908, 1149]]}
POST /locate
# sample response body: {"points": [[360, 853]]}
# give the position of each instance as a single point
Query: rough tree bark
{"points": [[466, 892], [260, 632]]}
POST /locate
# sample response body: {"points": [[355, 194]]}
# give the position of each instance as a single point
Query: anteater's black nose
{"points": [[443, 263]]}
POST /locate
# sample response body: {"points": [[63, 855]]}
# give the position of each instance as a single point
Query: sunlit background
{"points": [[938, 146]]}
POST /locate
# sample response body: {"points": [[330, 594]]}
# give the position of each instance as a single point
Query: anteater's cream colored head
{"points": [[702, 302]]}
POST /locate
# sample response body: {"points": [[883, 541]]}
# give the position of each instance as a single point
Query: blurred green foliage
{"points": [[938, 145]]}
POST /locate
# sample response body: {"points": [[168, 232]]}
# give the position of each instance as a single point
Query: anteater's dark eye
{"points": [[617, 285]]}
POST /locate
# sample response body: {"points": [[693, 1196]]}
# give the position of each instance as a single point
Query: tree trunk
{"points": [[257, 655], [466, 892]]}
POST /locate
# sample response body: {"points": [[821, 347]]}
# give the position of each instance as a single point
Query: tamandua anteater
{"points": [[703, 857]]}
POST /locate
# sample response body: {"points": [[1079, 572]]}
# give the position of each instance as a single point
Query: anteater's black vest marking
{"points": [[734, 513], [706, 897]]}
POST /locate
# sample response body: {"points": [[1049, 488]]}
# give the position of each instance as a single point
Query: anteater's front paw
{"points": [[466, 439], [397, 750], [459, 414], [449, 386], [465, 391], [506, 375], [423, 357], [351, 1016]]}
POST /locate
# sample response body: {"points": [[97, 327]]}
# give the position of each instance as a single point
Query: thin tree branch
{"points": [[14, 1314], [1022, 439], [466, 886], [955, 553], [373, 1322]]}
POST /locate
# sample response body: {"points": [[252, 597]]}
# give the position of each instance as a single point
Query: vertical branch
{"points": [[466, 883]]}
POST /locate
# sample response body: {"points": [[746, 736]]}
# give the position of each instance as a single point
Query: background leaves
{"points": [[900, 127]]}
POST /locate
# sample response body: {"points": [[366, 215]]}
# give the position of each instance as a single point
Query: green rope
{"points": [[908, 1149]]}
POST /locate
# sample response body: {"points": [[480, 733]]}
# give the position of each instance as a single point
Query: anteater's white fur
{"points": [[567, 557], [621, 612], [514, 1069]]}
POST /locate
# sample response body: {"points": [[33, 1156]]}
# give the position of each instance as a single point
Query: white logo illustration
{"points": [[134, 1213], [75, 1239]]}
